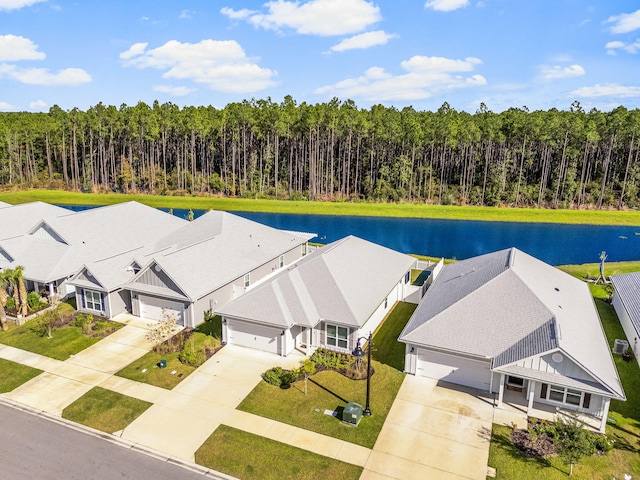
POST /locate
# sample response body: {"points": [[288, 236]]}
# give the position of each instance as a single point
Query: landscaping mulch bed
{"points": [[540, 447], [177, 342]]}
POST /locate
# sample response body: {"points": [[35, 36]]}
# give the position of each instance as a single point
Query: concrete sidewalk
{"points": [[63, 382]]}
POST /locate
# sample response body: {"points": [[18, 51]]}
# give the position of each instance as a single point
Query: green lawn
{"points": [[329, 391], [386, 348], [249, 457], [595, 217], [160, 377], [105, 410], [625, 457], [212, 328], [593, 269], [14, 374]]}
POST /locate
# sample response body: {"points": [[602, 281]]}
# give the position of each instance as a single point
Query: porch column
{"points": [[52, 290], [225, 332], [309, 339], [501, 390], [605, 413], [531, 391]]}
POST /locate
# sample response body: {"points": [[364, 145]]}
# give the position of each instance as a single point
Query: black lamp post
{"points": [[359, 353]]}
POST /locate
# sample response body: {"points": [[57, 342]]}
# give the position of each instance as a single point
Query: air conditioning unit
{"points": [[620, 346]]}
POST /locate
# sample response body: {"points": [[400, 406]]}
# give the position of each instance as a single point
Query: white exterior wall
{"points": [[545, 363], [410, 359], [629, 329], [381, 312], [596, 403]]}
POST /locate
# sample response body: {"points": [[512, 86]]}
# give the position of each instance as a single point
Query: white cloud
{"points": [[222, 65], [625, 22], [175, 91], [42, 76], [608, 90], [16, 4], [14, 47], [7, 107], [314, 17], [614, 47], [556, 71], [424, 78], [364, 40], [38, 105], [447, 5], [187, 14]]}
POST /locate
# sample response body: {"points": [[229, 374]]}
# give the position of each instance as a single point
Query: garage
{"points": [[454, 369], [152, 307], [255, 336]]}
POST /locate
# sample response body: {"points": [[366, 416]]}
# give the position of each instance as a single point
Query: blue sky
{"points": [[506, 53]]}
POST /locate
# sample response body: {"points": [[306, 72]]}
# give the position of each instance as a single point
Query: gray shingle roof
{"points": [[502, 306], [627, 287], [343, 282], [17, 220]]}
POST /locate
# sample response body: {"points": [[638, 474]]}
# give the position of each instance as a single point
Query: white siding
{"points": [[629, 329], [381, 312], [545, 363]]}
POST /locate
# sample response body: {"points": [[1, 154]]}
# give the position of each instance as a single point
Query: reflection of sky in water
{"points": [[554, 243]]}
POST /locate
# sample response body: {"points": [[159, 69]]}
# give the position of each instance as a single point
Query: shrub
{"points": [[602, 442], [83, 321], [288, 377], [272, 376], [33, 300], [11, 303], [190, 355]]}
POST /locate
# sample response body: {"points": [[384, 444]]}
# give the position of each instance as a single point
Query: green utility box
{"points": [[352, 413], [162, 363]]}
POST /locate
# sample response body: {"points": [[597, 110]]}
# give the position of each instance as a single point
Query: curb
{"points": [[121, 442]]}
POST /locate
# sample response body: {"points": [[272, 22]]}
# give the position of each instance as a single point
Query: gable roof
{"points": [[627, 286], [58, 246], [18, 219], [216, 249], [508, 306], [343, 282]]}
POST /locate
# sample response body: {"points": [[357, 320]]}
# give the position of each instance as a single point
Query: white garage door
{"points": [[253, 336], [450, 368], [151, 308]]}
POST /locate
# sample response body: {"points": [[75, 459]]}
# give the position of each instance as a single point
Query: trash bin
{"points": [[162, 363], [352, 413]]}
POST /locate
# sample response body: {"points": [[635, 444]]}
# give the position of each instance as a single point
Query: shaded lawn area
{"points": [[212, 327], [105, 410], [14, 374], [247, 456], [386, 348], [161, 377], [329, 390], [625, 428]]}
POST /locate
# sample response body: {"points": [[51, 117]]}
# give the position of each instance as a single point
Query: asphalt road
{"points": [[35, 448]]}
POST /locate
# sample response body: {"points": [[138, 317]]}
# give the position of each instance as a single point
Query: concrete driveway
{"points": [[183, 418], [433, 432]]}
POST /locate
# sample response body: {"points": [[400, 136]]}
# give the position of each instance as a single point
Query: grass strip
{"points": [[251, 457], [408, 210], [105, 410], [15, 374]]}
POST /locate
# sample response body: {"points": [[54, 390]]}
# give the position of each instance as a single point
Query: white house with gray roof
{"points": [[188, 271], [327, 299], [509, 320], [626, 301]]}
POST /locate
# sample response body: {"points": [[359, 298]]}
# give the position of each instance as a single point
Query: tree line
{"points": [[331, 151]]}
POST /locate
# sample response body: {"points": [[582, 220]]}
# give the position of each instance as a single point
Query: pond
{"points": [[556, 244]]}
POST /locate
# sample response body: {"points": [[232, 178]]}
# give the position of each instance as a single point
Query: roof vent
{"points": [[512, 257], [557, 289], [557, 357]]}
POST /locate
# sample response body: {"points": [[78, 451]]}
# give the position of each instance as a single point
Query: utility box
{"points": [[162, 363], [352, 413]]}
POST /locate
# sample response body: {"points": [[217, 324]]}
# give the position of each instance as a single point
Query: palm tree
{"points": [[18, 282], [4, 280]]}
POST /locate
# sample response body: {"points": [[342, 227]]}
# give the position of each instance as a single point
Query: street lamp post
{"points": [[359, 353]]}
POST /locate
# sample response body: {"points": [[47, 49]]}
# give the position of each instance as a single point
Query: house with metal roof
{"points": [[507, 320], [187, 271], [626, 301], [329, 299]]}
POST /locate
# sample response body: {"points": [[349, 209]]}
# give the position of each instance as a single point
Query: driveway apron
{"points": [[433, 432]]}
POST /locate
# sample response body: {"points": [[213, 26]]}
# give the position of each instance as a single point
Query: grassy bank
{"points": [[593, 217]]}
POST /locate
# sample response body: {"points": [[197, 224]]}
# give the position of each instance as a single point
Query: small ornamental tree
{"points": [[164, 328], [572, 442]]}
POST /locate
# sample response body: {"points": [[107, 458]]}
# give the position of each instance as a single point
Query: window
{"points": [[407, 277], [569, 396], [93, 300], [516, 381], [247, 280], [337, 336], [281, 261]]}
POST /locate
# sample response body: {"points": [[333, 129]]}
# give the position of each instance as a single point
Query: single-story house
{"points": [[54, 247], [508, 320], [626, 301], [16, 220], [330, 298], [191, 270]]}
